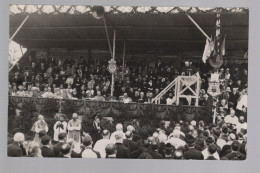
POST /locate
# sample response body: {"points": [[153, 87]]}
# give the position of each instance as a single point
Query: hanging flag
{"points": [[209, 47], [223, 46]]}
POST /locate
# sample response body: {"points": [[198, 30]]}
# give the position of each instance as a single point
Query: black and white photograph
{"points": [[128, 82]]}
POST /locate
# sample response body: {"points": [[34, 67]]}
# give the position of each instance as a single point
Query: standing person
{"points": [[74, 127], [97, 129], [122, 151], [38, 126], [59, 127], [102, 143], [16, 148]]}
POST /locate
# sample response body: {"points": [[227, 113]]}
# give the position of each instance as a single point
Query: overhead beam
{"points": [[140, 40], [126, 27]]}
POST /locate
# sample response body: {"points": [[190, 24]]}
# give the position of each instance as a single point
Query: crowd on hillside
{"points": [[179, 140]]}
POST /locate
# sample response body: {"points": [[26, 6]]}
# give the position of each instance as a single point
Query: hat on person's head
{"points": [[222, 69], [189, 139], [18, 137], [87, 140], [228, 89], [45, 140]]}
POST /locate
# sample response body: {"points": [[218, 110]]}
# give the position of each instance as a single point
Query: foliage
{"points": [[26, 119], [67, 108], [11, 115], [51, 107]]}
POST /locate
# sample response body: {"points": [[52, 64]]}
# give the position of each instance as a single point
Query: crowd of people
{"points": [[224, 137], [140, 81], [178, 140]]}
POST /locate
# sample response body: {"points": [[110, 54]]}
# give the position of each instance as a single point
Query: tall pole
{"points": [[218, 33], [113, 75], [18, 29], [123, 63]]}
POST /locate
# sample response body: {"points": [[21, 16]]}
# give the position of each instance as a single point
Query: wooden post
{"points": [[113, 75], [197, 92]]}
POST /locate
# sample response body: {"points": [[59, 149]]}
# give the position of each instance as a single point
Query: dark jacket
{"points": [[132, 146], [57, 149], [47, 152], [122, 151], [193, 154], [15, 150]]}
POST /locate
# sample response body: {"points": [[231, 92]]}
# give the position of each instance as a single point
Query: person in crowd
{"points": [[38, 126], [101, 144], [59, 127], [119, 128], [47, 150], [88, 152], [66, 151], [99, 97], [122, 151], [111, 151], [74, 127], [48, 93], [57, 147], [192, 153], [16, 148], [130, 144], [34, 150]]}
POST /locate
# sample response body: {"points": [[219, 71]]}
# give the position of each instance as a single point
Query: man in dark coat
{"points": [[16, 148], [153, 151], [192, 153], [235, 154], [57, 147], [95, 131], [47, 151], [131, 145], [122, 151]]}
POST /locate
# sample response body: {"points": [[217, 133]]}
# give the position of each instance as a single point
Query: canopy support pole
{"points": [[109, 45], [123, 68], [113, 57], [198, 27], [18, 29]]}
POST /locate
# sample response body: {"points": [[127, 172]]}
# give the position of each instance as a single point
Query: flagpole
{"points": [[198, 27], [113, 57]]}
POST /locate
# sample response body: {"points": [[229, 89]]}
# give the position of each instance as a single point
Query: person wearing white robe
{"points": [[59, 127], [39, 126]]}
